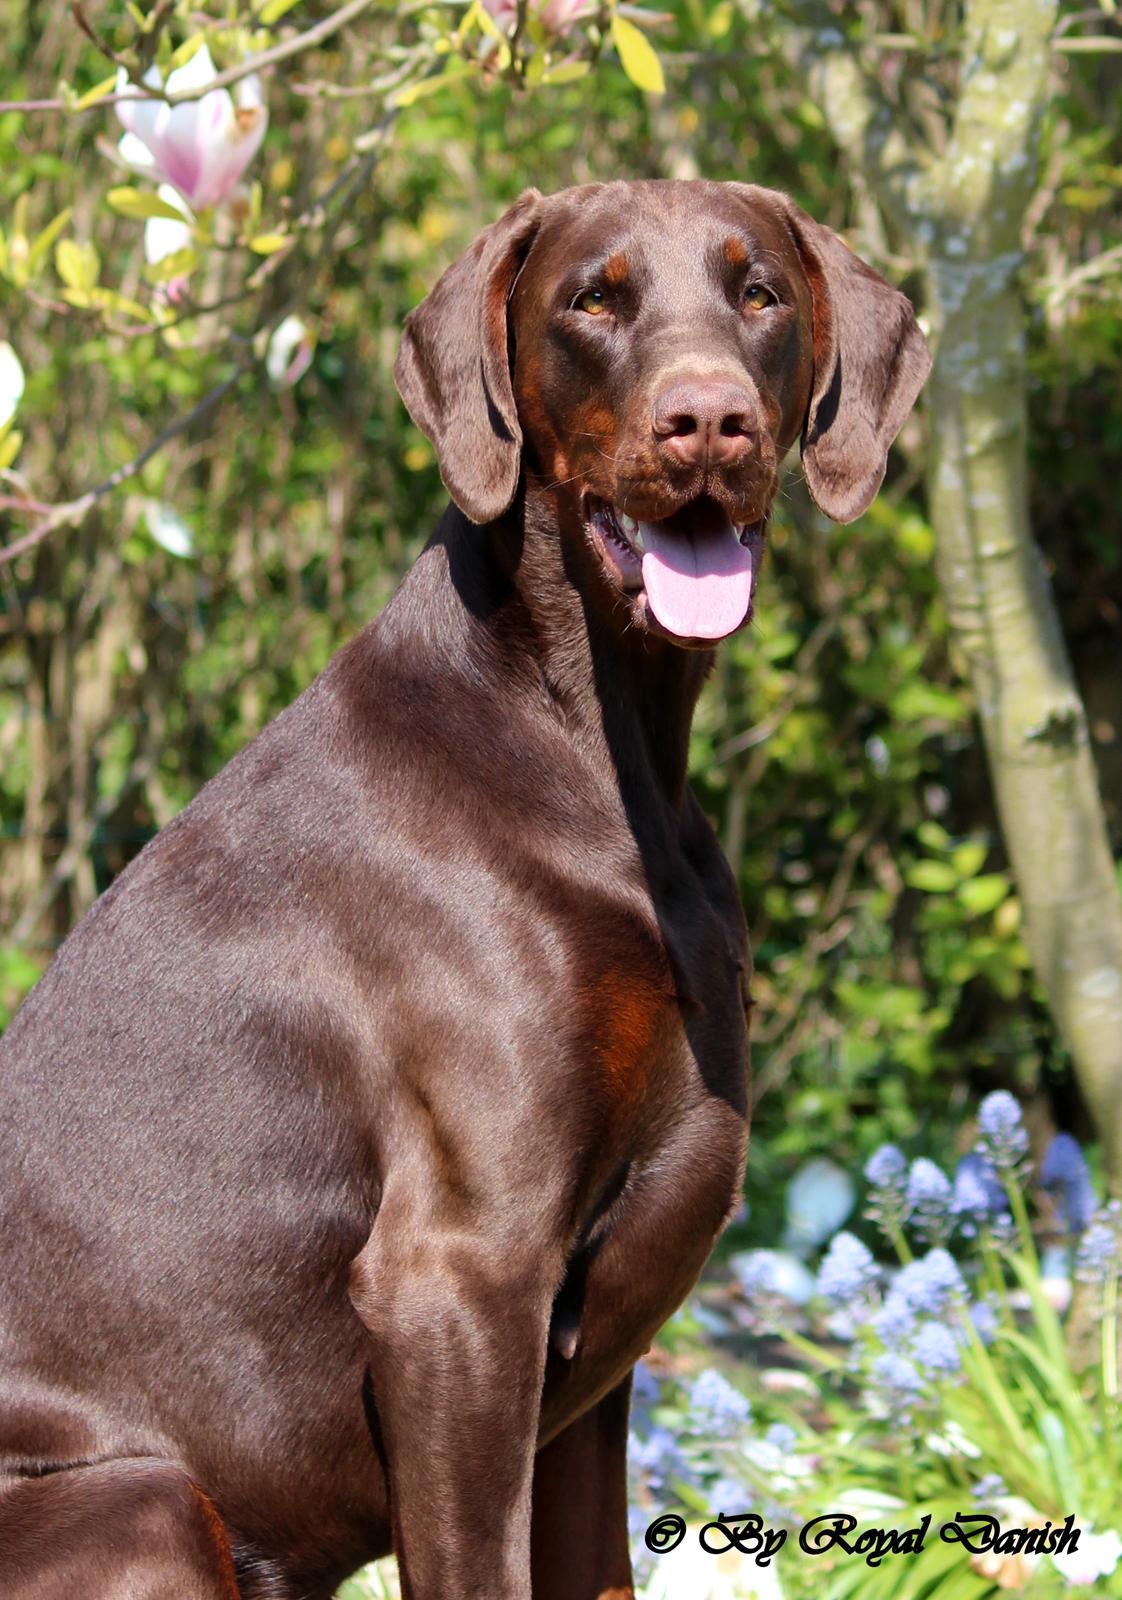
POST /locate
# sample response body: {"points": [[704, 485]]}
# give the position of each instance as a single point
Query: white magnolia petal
{"points": [[11, 383], [135, 153], [193, 74], [162, 235], [126, 109], [249, 93], [282, 347], [168, 529]]}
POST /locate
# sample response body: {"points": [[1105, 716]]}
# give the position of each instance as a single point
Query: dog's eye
{"points": [[592, 301], [757, 298]]}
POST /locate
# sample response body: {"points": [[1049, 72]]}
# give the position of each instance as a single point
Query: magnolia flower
{"points": [[290, 353], [11, 383], [168, 529], [557, 16], [202, 146]]}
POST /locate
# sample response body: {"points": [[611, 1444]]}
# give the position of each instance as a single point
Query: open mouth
{"points": [[696, 569]]}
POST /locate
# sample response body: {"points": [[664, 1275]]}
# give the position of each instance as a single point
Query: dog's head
{"points": [[647, 352]]}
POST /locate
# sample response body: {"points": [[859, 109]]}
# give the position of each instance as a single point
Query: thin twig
{"points": [[312, 36], [74, 510]]}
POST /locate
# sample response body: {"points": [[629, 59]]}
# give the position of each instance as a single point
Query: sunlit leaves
{"points": [[637, 56]]}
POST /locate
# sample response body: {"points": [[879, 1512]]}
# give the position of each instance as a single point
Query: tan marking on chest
{"points": [[626, 1017]]}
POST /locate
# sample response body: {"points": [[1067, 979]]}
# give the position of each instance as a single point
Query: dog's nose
{"points": [[705, 421]]}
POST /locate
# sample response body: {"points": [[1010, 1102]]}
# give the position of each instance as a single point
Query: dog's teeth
{"points": [[628, 524]]}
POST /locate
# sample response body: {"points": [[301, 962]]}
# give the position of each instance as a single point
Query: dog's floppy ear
{"points": [[870, 362], [453, 368]]}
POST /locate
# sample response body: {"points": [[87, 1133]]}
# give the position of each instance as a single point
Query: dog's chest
{"points": [[660, 1007]]}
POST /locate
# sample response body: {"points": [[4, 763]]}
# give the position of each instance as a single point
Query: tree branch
{"points": [[863, 122], [307, 40], [72, 511]]}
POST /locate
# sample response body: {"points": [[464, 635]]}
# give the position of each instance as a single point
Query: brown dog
{"points": [[367, 1129]]}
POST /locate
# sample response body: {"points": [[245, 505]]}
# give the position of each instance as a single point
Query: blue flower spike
{"points": [[1003, 1136], [929, 1196], [848, 1271], [1064, 1170]]}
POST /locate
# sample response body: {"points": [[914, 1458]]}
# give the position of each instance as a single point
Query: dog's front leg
{"points": [[580, 1535], [456, 1304]]}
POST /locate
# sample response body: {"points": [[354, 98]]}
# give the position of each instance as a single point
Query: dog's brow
{"points": [[616, 268]]}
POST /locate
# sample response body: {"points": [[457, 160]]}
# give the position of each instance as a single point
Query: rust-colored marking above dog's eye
{"points": [[735, 251], [615, 269]]}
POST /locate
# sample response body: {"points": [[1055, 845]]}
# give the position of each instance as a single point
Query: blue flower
{"points": [[886, 1168], [657, 1458], [896, 1374], [1065, 1169], [930, 1284], [716, 1409], [936, 1350], [1004, 1137], [978, 1195], [847, 1271], [929, 1200], [887, 1174], [644, 1388], [991, 1487], [1097, 1256], [985, 1321], [895, 1319], [772, 1274], [728, 1497], [782, 1436]]}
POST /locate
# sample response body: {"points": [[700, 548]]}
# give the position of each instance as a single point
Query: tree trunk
{"points": [[962, 213], [998, 598]]}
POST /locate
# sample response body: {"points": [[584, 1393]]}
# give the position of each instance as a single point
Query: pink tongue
{"points": [[698, 582]]}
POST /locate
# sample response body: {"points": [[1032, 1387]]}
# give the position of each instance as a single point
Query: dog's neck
{"points": [[520, 599]]}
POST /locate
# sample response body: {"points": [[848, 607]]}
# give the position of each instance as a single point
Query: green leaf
{"points": [[915, 701], [135, 203], [43, 241], [267, 244], [412, 92], [487, 24], [933, 835], [720, 19], [110, 300], [9, 448], [979, 895], [969, 857], [637, 56], [934, 877], [98, 92], [175, 265], [77, 264], [566, 72], [274, 10]]}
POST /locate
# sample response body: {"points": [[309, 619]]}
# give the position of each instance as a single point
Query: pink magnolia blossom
{"points": [[557, 15], [200, 147]]}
